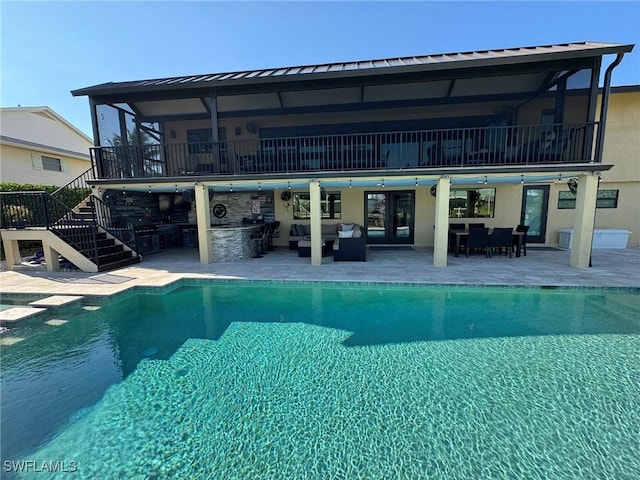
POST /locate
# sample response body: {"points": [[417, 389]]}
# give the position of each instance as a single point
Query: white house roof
{"points": [[42, 128]]}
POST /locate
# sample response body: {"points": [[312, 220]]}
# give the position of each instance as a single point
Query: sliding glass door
{"points": [[390, 217]]}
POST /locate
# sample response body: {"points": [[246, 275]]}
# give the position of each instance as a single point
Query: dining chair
{"points": [[478, 238], [502, 238], [514, 243]]}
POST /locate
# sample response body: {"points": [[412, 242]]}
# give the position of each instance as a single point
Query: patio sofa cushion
{"points": [[352, 248], [303, 232]]}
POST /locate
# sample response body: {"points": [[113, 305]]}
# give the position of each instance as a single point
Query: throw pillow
{"points": [[345, 227], [345, 234], [357, 233]]}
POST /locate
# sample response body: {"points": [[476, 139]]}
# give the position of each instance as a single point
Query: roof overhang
{"points": [[405, 66]]}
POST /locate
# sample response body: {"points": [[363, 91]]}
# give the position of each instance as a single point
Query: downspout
{"points": [[600, 143], [604, 106]]}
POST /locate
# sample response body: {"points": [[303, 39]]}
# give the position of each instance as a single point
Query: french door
{"points": [[535, 205], [390, 217]]}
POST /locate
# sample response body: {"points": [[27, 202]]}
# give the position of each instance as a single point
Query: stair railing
{"points": [[116, 226]]}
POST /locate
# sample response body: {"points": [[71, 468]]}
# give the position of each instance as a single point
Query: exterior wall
{"points": [[18, 166]]}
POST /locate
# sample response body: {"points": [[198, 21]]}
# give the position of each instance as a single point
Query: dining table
{"points": [[459, 233]]}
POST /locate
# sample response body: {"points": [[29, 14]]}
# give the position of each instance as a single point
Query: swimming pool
{"points": [[277, 380]]}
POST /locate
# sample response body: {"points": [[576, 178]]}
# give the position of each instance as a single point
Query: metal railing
{"points": [[487, 146], [80, 230]]}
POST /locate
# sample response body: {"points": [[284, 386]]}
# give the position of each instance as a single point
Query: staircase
{"points": [[99, 246], [82, 234]]}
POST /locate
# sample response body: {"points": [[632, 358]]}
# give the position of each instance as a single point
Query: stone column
{"points": [[584, 221], [441, 234], [203, 220], [316, 223]]}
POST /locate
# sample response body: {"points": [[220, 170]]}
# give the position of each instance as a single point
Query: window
{"points": [[52, 164], [474, 203], [199, 140], [606, 199], [330, 205]]}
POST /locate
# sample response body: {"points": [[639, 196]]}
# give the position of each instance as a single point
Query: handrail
{"points": [[40, 209], [462, 147]]}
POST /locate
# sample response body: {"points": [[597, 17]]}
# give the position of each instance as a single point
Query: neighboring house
{"points": [[401, 146], [38, 146]]}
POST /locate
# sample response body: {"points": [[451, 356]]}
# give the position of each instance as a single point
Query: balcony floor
{"points": [[548, 267]]}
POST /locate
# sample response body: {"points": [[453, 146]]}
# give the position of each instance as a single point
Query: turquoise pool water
{"points": [[273, 381]]}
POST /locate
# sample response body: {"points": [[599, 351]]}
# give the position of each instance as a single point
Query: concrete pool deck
{"points": [[541, 267]]}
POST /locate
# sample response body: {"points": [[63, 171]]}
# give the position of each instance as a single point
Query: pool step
{"points": [[38, 307], [15, 314], [56, 301]]}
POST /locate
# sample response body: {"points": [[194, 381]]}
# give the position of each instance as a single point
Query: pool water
{"points": [[274, 380]]}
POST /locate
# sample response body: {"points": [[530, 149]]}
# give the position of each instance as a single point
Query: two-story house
{"points": [[41, 147], [402, 146]]}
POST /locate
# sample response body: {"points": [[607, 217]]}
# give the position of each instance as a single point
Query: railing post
{"points": [[45, 210]]}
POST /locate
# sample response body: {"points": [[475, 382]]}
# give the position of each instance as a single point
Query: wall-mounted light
{"points": [[485, 180], [176, 188], [230, 187], [349, 183], [289, 186], [259, 188], [560, 178], [149, 188], [521, 179], [383, 183], [416, 181], [123, 191]]}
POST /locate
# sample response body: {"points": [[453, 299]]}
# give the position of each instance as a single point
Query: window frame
{"points": [[567, 199], [48, 166], [326, 212], [491, 207]]}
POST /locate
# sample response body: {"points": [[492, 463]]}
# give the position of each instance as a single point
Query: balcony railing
{"points": [[466, 147]]}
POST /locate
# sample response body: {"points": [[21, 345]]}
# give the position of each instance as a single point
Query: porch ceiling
{"points": [[367, 182]]}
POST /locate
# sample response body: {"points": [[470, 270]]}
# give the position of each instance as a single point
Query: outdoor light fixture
{"points": [[416, 181], [485, 180], [289, 186], [230, 187], [560, 178], [149, 188], [349, 183], [521, 179], [259, 188], [383, 183]]}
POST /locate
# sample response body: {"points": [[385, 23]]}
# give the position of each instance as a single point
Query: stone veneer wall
{"points": [[229, 244], [238, 205]]}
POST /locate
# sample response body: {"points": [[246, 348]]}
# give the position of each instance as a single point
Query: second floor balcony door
{"points": [[390, 217]]}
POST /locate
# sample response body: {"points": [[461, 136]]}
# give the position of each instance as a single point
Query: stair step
{"points": [[119, 264], [114, 257]]}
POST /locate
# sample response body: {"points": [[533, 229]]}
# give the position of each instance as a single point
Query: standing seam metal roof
{"points": [[507, 54]]}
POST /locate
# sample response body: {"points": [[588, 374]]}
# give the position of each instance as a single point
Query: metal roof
{"points": [[366, 67]]}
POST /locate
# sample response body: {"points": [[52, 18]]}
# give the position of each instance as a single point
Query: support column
{"points": [[441, 234], [316, 223], [203, 219], [584, 221], [11, 252], [50, 258]]}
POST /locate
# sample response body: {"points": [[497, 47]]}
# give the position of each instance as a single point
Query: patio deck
{"points": [[541, 267]]}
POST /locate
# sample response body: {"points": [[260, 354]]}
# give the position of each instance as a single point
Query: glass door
{"points": [[390, 217], [535, 203]]}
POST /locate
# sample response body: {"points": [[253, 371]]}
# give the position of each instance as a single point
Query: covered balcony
{"points": [[528, 145]]}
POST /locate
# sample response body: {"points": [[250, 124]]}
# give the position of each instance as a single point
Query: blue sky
{"points": [[50, 48]]}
